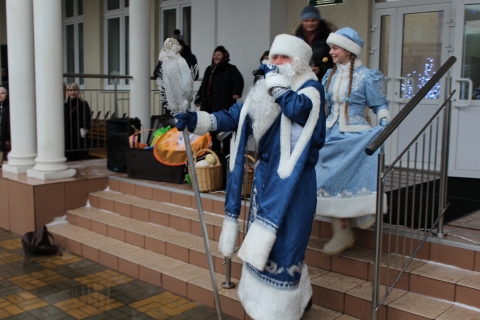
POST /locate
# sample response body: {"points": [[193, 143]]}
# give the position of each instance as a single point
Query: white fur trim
{"points": [[287, 160], [228, 237], [349, 207], [203, 123], [285, 44], [236, 136], [302, 78], [344, 43], [277, 80], [384, 113], [257, 245], [263, 301]]}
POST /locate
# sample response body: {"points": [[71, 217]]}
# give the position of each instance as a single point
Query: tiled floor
{"points": [[70, 287], [465, 229]]}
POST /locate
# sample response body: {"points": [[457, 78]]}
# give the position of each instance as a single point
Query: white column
{"points": [[21, 92], [50, 162], [139, 38]]}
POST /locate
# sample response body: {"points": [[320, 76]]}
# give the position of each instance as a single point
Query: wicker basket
{"points": [[209, 178], [248, 177]]}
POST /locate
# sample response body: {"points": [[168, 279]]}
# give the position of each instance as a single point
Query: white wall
{"points": [[245, 28]]}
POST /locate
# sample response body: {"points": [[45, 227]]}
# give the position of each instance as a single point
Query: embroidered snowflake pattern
{"points": [[295, 268], [272, 268], [356, 119], [357, 79], [344, 194]]}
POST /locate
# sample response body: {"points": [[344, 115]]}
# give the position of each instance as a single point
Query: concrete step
{"points": [[426, 277], [169, 273], [446, 251], [350, 288]]}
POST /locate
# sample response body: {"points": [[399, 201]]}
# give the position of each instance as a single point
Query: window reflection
{"points": [[471, 51], [421, 51]]}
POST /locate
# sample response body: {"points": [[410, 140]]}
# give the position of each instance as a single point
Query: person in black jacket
{"points": [[315, 31], [221, 86], [78, 121], [5, 145]]}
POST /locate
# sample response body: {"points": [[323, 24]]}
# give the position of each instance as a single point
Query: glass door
{"points": [[465, 148], [409, 44]]}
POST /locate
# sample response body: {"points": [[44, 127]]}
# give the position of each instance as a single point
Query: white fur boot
{"points": [[343, 236], [363, 222]]}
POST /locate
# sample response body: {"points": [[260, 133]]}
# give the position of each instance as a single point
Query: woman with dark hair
{"points": [[5, 145], [221, 86], [78, 121]]}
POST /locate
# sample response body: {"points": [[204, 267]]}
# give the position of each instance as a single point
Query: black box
{"points": [[141, 164]]}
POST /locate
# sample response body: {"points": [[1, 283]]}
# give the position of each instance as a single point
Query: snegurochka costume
{"points": [[275, 283], [346, 175]]}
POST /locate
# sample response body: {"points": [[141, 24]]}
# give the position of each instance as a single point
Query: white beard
{"points": [[262, 109]]}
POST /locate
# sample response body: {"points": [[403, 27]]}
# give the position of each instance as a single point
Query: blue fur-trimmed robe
{"points": [[284, 197]]}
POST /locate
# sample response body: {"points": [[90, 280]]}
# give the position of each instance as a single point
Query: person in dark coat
{"points": [[315, 31], [5, 145], [221, 86], [78, 121]]}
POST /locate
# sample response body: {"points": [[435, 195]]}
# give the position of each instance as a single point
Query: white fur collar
{"points": [[358, 63], [301, 79]]}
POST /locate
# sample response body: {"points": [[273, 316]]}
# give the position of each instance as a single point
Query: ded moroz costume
{"points": [[346, 176], [285, 113]]}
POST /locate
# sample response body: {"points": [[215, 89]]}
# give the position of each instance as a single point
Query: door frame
{"points": [[396, 10]]}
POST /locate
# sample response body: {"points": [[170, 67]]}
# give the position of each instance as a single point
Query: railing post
{"points": [[228, 284], [378, 234], [442, 201], [115, 98]]}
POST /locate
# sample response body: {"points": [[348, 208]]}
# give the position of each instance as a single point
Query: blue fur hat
{"points": [[310, 12], [348, 39]]}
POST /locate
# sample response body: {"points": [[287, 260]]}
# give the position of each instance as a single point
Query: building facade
{"points": [[408, 40]]}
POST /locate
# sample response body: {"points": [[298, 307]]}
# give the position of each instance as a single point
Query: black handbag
{"points": [[39, 243]]}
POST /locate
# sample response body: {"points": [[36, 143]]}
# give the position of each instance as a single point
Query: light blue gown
{"points": [[346, 175]]}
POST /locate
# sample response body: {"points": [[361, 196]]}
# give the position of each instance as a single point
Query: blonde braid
{"points": [[334, 69], [352, 66]]}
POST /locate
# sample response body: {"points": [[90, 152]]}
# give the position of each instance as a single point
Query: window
{"points": [[73, 39], [176, 14], [116, 40]]}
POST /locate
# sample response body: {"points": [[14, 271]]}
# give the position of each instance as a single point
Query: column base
{"points": [[16, 169], [42, 175]]}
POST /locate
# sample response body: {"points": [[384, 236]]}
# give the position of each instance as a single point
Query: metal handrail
{"points": [[380, 139], [96, 76]]}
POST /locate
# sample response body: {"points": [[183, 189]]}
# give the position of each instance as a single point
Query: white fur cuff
{"points": [[257, 246], [228, 237], [384, 113], [277, 80], [203, 123]]}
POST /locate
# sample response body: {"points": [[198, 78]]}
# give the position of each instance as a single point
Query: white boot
{"points": [[343, 236], [363, 222]]}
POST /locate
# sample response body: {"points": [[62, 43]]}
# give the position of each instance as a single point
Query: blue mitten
{"points": [[188, 120], [384, 122], [268, 68]]}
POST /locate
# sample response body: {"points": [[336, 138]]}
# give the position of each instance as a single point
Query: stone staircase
{"points": [[152, 232]]}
